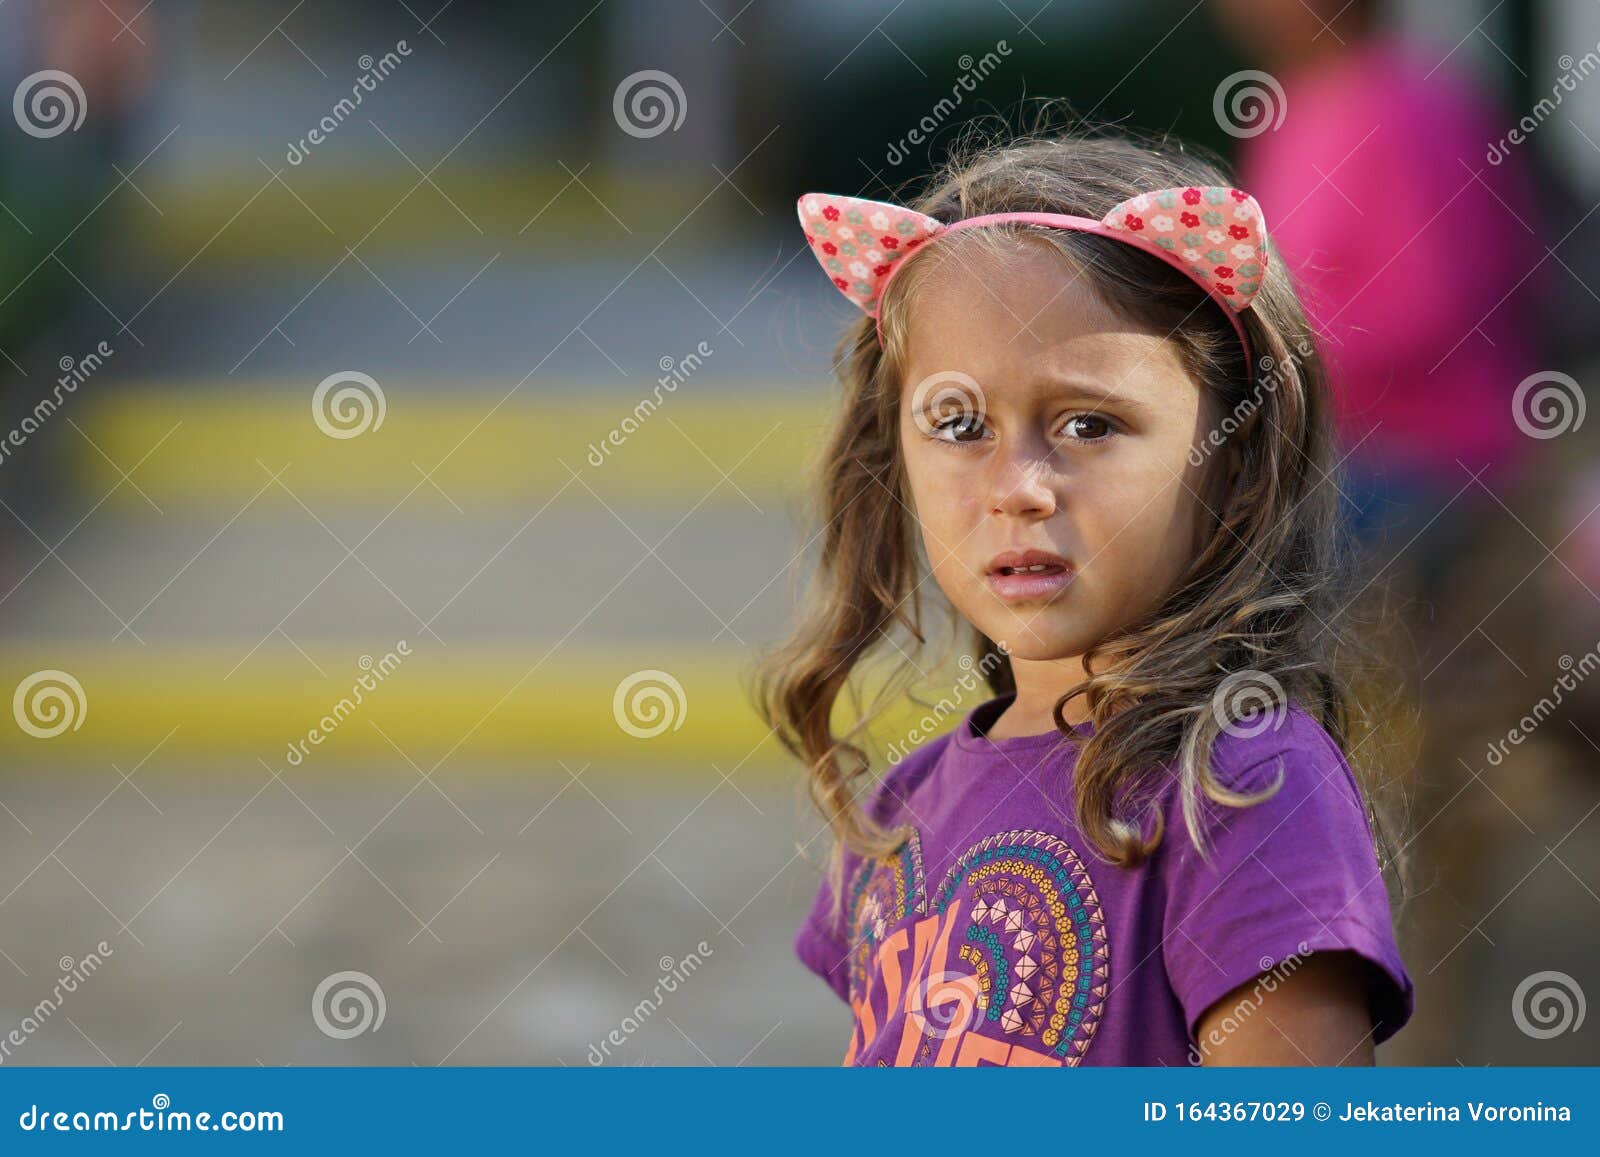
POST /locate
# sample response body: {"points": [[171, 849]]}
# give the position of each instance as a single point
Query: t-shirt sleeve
{"points": [[821, 945], [1285, 879]]}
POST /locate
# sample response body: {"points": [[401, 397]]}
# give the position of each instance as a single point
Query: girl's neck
{"points": [[1040, 683]]}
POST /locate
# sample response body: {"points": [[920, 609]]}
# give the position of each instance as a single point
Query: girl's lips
{"points": [[1032, 586]]}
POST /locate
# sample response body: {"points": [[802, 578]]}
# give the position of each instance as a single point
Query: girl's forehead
{"points": [[1008, 302], [1023, 319], [962, 266], [1115, 356]]}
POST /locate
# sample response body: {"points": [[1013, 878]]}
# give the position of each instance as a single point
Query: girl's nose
{"points": [[1024, 482]]}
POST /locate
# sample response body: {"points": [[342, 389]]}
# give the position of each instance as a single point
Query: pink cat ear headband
{"points": [[1214, 234]]}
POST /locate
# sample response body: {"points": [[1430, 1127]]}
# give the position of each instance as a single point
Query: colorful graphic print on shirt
{"points": [[1005, 962]]}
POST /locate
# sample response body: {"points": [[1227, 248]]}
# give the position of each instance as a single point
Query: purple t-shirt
{"points": [[995, 935]]}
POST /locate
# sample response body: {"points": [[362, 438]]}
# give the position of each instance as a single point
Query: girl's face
{"points": [[1034, 420]]}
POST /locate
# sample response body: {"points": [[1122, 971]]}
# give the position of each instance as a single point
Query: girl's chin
{"points": [[1040, 640]]}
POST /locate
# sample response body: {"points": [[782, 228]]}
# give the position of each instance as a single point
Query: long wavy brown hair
{"points": [[1270, 599]]}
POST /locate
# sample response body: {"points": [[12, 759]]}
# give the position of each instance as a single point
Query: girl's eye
{"points": [[1089, 427], [959, 427], [965, 428]]}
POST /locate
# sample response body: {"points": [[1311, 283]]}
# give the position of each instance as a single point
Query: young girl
{"points": [[1082, 384]]}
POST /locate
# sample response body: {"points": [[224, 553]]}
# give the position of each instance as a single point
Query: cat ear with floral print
{"points": [[1213, 233]]}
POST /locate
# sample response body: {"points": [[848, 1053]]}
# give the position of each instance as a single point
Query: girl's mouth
{"points": [[1028, 583]]}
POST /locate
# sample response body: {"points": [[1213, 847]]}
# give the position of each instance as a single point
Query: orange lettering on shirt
{"points": [[1022, 1056], [864, 1030], [961, 991], [928, 988], [975, 1048], [924, 933], [930, 953], [889, 967]]}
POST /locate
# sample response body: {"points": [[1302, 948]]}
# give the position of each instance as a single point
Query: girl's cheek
{"points": [[949, 498]]}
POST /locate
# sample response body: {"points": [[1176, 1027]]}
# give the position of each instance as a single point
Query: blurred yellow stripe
{"points": [[306, 215], [498, 707], [219, 445]]}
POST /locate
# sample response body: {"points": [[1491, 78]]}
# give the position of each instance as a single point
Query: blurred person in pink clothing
{"points": [[1413, 251], [1416, 258]]}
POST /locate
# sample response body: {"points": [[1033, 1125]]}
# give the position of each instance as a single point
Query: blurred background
{"points": [[463, 359]]}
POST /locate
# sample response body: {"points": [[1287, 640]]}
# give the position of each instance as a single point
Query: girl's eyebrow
{"points": [[1097, 392], [1072, 388]]}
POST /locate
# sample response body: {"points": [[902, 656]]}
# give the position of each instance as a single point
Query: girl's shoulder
{"points": [[1251, 753], [1293, 874], [1308, 796]]}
